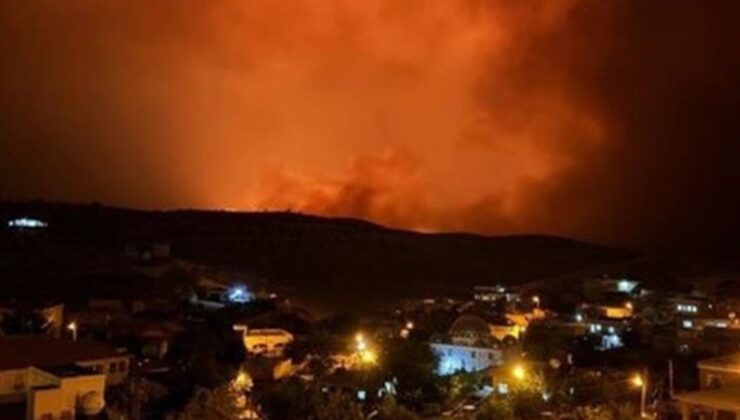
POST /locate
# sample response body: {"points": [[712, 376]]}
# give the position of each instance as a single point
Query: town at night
{"points": [[369, 209]]}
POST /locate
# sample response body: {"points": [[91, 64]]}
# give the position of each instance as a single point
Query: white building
{"points": [[461, 358], [498, 293], [55, 377]]}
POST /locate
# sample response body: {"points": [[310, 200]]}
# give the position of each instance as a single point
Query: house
{"points": [[467, 358], [596, 289], [719, 371], [720, 389], [724, 403], [497, 293], [688, 305], [55, 378], [22, 352], [609, 310], [51, 392], [609, 332], [267, 342]]}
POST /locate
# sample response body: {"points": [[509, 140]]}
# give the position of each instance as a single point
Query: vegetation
{"points": [[221, 403]]}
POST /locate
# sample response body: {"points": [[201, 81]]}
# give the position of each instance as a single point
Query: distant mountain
{"points": [[334, 262]]}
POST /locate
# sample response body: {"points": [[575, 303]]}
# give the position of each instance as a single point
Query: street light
{"points": [[367, 356], [536, 300], [640, 382], [361, 344], [72, 326], [519, 372]]}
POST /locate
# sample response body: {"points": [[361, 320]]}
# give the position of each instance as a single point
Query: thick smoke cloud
{"points": [[611, 121]]}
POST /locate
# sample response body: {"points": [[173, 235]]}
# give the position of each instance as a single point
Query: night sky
{"points": [[614, 121]]}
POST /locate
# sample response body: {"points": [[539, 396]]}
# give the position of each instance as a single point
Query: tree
{"points": [[606, 412], [338, 406], [496, 408], [221, 403], [287, 399], [138, 397], [390, 410], [206, 356], [412, 363], [462, 384]]}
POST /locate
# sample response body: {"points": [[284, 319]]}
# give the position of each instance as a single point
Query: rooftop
{"points": [[38, 350], [723, 398], [729, 363], [67, 371]]}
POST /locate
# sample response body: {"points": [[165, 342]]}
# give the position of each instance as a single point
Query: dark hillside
{"points": [[337, 262]]}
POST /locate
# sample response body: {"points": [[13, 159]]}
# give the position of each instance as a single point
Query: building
{"points": [[467, 358], [52, 378], [688, 305], [700, 324], [492, 294], [719, 380], [609, 333], [25, 351], [609, 310], [720, 371], [597, 289], [51, 392], [723, 403], [267, 342]]}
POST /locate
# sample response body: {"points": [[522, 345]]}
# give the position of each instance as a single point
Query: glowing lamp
{"points": [[637, 381], [519, 372]]}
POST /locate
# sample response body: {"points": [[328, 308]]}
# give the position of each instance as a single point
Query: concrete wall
{"points": [[13, 384], [64, 398]]}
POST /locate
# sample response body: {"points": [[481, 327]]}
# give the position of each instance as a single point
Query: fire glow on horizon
{"points": [[492, 116]]}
